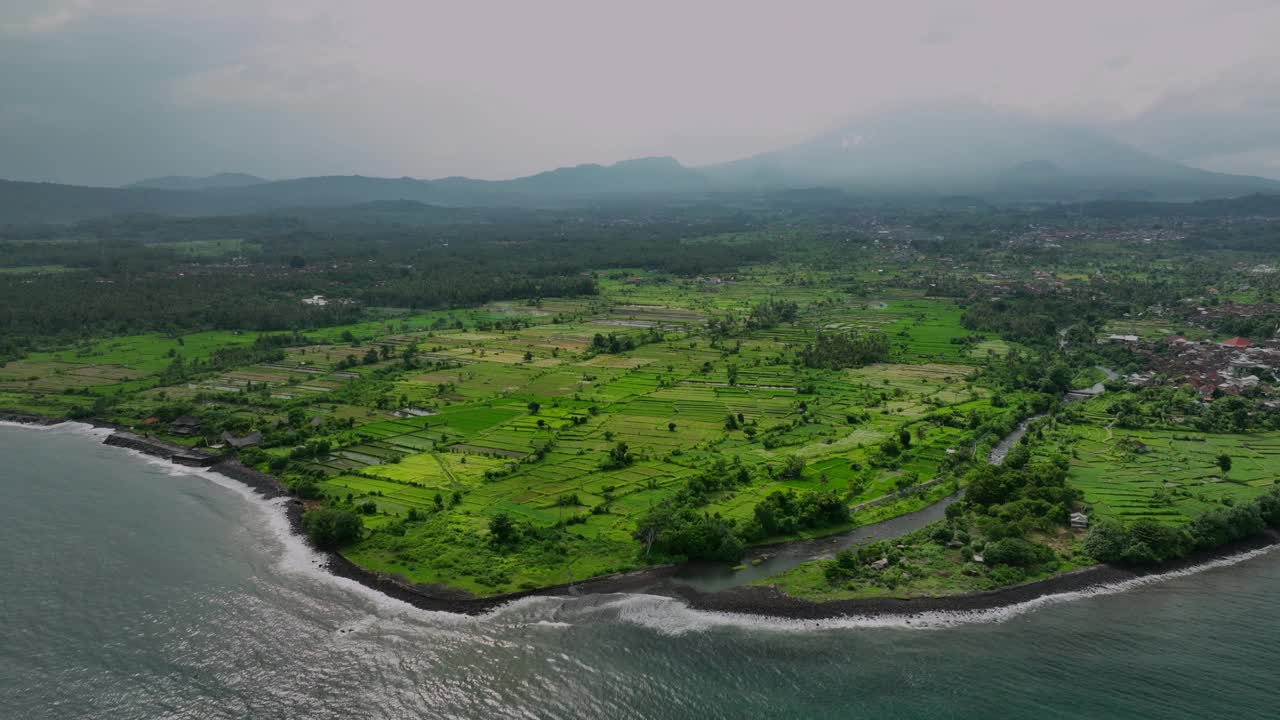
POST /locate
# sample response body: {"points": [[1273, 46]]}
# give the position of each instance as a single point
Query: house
{"points": [[1238, 342], [1079, 520], [252, 439], [185, 425]]}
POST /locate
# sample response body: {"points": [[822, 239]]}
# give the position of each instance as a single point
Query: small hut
{"points": [[239, 443], [185, 425]]}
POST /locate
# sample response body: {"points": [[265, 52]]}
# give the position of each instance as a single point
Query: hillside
{"points": [[186, 182]]}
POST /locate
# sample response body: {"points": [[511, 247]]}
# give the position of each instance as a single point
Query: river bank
{"points": [[666, 580]]}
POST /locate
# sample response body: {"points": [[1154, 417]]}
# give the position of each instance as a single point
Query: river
{"points": [[136, 589]]}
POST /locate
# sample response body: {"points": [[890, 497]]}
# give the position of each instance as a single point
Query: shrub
{"points": [[1007, 575], [1016, 552], [331, 528]]}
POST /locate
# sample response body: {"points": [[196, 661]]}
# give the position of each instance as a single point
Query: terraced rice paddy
{"points": [[1169, 475]]}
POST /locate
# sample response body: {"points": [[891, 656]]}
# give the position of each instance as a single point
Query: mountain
{"points": [[920, 152], [23, 202], [967, 147], [186, 182]]}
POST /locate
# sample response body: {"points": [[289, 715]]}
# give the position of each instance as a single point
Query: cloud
{"points": [[936, 36], [39, 18], [496, 89], [1116, 63], [1228, 122]]}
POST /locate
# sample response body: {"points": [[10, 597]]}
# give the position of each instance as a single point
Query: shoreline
{"points": [[767, 601], [757, 600]]}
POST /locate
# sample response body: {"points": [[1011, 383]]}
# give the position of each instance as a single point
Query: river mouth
{"points": [[764, 562], [760, 563]]}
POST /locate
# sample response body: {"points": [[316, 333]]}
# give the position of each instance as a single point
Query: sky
{"points": [[106, 92]]}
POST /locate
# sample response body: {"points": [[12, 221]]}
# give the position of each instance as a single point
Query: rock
{"points": [[880, 564], [978, 558]]}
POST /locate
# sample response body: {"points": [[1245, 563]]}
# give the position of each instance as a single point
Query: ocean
{"points": [[136, 589]]}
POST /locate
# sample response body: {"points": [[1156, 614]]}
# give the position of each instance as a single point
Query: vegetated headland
{"points": [[784, 406]]}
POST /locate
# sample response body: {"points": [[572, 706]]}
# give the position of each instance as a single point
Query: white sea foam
{"points": [[67, 426], [294, 556], [670, 616]]}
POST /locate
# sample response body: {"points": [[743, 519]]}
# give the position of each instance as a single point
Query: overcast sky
{"points": [[105, 92]]}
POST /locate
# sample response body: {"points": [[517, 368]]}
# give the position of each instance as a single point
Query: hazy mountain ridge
{"points": [[964, 147], [187, 182], [940, 149]]}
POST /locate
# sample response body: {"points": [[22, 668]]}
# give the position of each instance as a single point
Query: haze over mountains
{"points": [[187, 182], [952, 148]]}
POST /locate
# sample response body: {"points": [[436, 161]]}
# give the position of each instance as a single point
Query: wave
{"points": [[673, 617], [70, 427]]}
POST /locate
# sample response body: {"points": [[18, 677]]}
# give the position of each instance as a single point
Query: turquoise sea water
{"points": [[133, 589]]}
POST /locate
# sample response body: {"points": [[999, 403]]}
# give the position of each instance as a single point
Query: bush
{"points": [[1016, 552], [305, 488], [1006, 575], [1145, 542], [330, 528], [1106, 541]]}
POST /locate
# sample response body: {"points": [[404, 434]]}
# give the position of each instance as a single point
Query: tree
{"points": [[502, 531], [1016, 552], [1106, 541], [904, 438], [1224, 463], [732, 372], [671, 427], [410, 356], [331, 528], [793, 469], [534, 406], [619, 456]]}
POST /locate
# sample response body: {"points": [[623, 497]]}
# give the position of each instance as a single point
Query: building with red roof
{"points": [[1237, 342]]}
